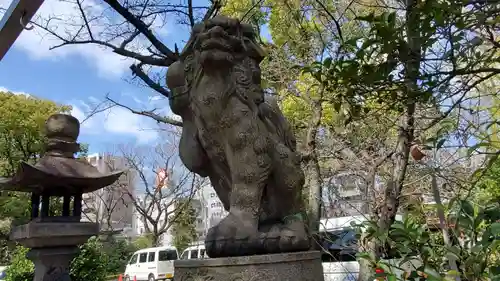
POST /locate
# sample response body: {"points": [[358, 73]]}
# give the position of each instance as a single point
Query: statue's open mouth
{"points": [[215, 44]]}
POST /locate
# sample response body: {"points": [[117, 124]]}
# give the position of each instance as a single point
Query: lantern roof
{"points": [[58, 173]]}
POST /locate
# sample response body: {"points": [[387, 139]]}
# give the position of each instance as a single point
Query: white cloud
{"points": [[80, 115], [121, 121], [116, 120], [67, 21], [3, 89]]}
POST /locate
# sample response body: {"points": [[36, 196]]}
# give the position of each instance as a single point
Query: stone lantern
{"points": [[54, 240]]}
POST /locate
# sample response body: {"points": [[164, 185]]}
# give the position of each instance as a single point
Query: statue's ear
{"points": [[250, 37], [248, 31], [255, 51], [175, 75]]}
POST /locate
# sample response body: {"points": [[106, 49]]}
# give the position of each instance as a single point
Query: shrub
{"points": [[143, 241], [20, 269], [118, 253], [478, 229], [89, 264]]}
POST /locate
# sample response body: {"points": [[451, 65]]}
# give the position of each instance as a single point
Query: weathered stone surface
{"points": [[52, 264], [303, 266], [241, 142], [53, 234]]}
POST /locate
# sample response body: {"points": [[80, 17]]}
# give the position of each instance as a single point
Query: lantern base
{"points": [[53, 234], [52, 264]]}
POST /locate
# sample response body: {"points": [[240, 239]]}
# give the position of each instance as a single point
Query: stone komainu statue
{"points": [[242, 143]]}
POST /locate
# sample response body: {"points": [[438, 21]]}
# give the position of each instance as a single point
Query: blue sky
{"points": [[81, 76]]}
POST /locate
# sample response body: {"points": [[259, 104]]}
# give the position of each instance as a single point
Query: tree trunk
{"points": [[155, 239], [312, 171], [442, 221], [313, 184], [389, 208]]}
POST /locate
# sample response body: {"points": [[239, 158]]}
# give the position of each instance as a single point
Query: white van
{"points": [[152, 264], [194, 252]]}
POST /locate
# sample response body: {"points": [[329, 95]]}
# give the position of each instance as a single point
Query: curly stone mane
{"points": [[245, 67]]}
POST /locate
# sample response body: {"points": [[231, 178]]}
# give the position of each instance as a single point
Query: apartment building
{"points": [[111, 206], [211, 209]]}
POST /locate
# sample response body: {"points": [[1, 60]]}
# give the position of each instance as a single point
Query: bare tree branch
{"points": [[144, 29], [164, 183], [137, 70], [158, 118], [190, 13]]}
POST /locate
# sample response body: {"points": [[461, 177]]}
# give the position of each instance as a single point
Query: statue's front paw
{"points": [[229, 238], [294, 238]]}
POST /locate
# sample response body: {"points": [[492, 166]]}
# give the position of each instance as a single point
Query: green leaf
{"points": [[477, 146], [327, 62], [495, 228], [454, 249], [369, 18], [337, 106], [386, 267], [452, 273], [477, 173], [406, 259], [352, 42], [476, 249], [467, 208], [391, 19], [391, 277], [367, 257], [432, 273], [452, 256], [440, 143], [495, 270]]}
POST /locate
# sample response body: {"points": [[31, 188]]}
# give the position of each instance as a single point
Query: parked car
{"points": [[152, 264], [194, 252], [340, 246]]}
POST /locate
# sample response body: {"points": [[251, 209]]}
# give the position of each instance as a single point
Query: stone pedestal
{"points": [[53, 234], [52, 264], [303, 266], [53, 245]]}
